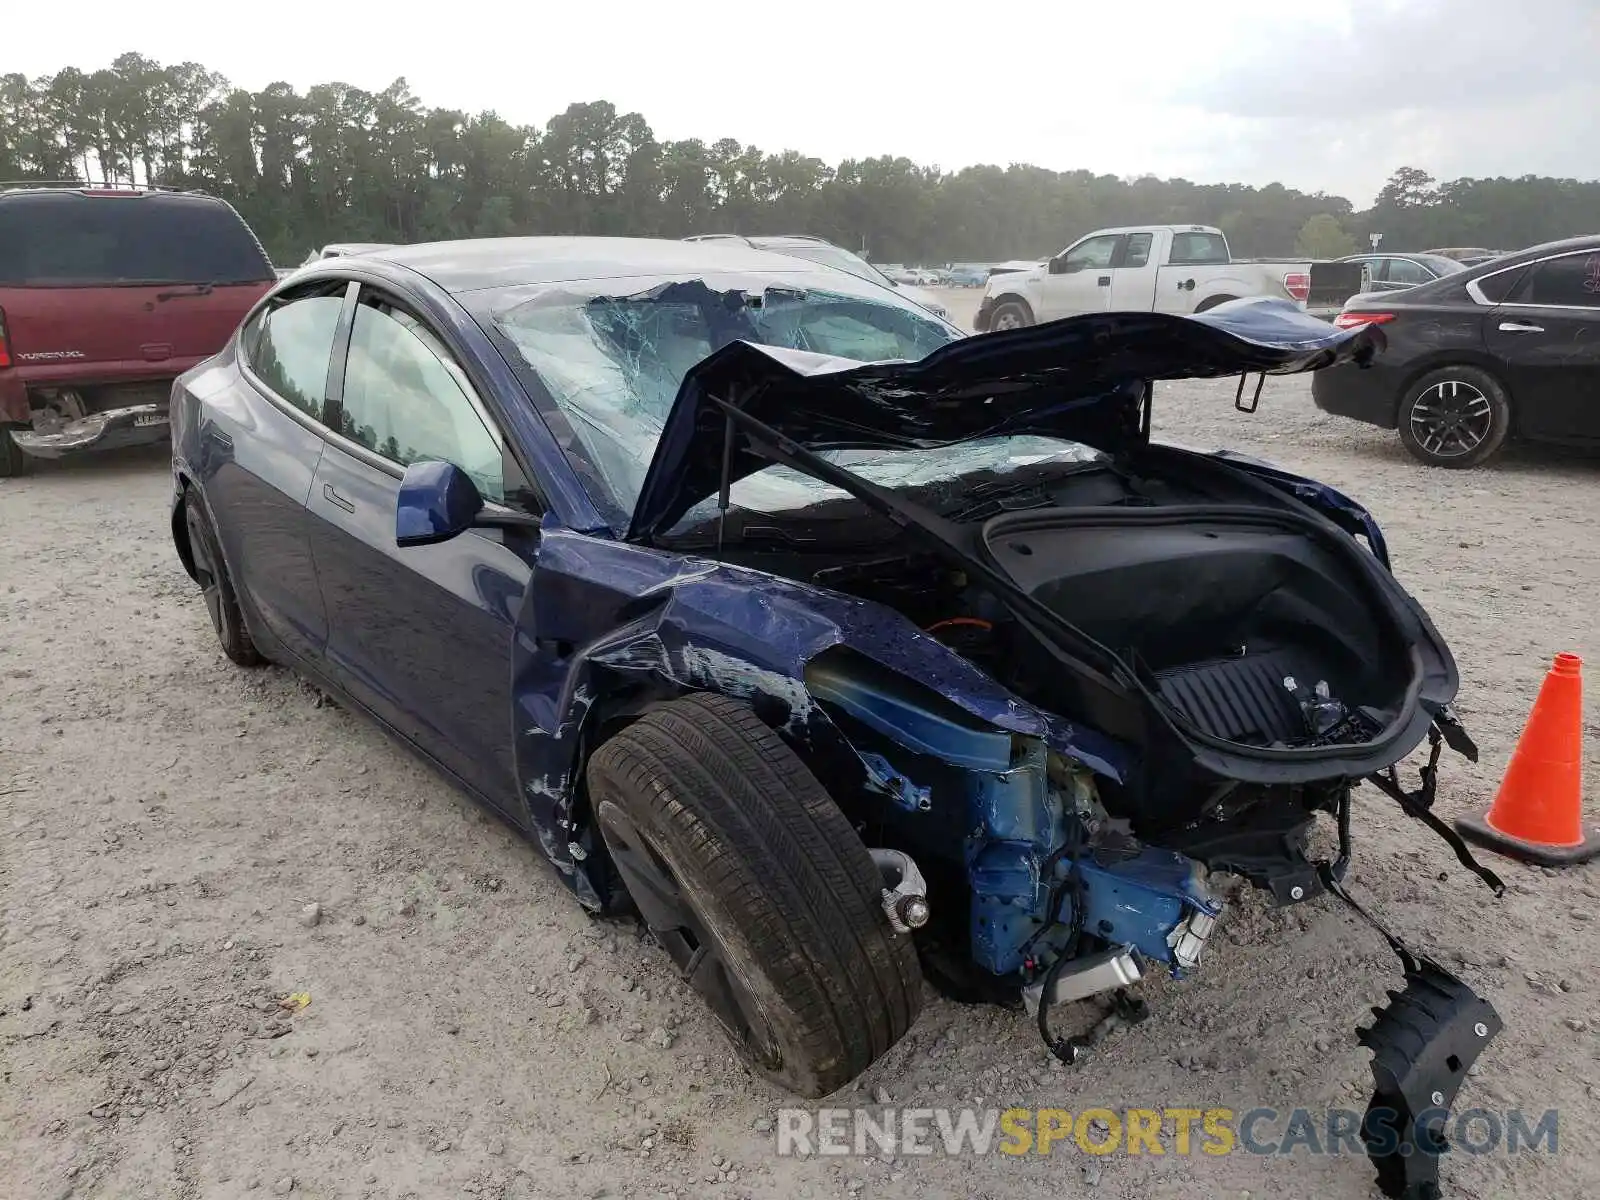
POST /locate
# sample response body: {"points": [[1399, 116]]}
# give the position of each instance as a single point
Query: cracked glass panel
{"points": [[613, 355]]}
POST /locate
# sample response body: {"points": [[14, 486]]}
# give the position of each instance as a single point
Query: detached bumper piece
{"points": [[1423, 1043], [136, 425]]}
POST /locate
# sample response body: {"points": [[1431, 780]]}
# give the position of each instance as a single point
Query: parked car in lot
{"points": [[838, 646], [1392, 272], [1507, 349], [967, 275], [340, 249], [107, 294], [1465, 254], [1153, 268], [814, 249]]}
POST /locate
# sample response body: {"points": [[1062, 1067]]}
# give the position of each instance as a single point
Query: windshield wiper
{"points": [[806, 534], [980, 504]]}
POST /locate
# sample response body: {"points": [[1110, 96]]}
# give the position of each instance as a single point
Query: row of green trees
{"points": [[341, 164]]}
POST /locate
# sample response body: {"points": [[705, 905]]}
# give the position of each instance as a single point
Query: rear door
{"points": [[1078, 280], [1546, 334], [123, 283], [259, 445], [422, 635]]}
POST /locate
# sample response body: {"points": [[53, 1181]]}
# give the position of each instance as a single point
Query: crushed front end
{"points": [[1196, 658], [1043, 898]]}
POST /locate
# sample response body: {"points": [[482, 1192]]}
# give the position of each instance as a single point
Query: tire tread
{"points": [[774, 848]]}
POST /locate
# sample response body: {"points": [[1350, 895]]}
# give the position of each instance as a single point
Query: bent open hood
{"points": [[1082, 379]]}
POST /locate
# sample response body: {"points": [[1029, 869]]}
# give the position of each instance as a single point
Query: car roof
{"points": [[1389, 254], [481, 263], [87, 193], [1158, 229], [789, 239], [1504, 262]]}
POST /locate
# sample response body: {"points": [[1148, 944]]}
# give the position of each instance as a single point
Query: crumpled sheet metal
{"points": [[691, 624]]}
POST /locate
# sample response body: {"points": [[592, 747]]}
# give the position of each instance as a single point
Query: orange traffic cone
{"points": [[1537, 815]]}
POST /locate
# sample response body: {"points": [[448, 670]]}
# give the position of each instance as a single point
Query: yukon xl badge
{"points": [[49, 355]]}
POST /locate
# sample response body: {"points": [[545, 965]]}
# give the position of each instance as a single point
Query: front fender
{"points": [[1344, 512], [609, 626]]}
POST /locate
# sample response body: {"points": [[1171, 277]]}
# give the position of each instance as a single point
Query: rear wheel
{"points": [[1211, 302], [222, 602], [757, 887], [1011, 314], [1455, 417], [12, 460]]}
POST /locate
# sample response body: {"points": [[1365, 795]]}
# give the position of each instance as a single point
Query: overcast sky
{"points": [[1330, 94]]}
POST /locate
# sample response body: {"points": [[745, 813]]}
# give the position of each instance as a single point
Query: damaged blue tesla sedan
{"points": [[845, 651]]}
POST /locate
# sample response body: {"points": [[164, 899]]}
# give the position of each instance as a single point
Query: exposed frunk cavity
{"points": [[1251, 630]]}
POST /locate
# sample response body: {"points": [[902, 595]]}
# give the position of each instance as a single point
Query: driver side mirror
{"points": [[438, 501], [1059, 265]]}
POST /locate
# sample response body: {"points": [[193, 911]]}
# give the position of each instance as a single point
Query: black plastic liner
{"points": [[1236, 619]]}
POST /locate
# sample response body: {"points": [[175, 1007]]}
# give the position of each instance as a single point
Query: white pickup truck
{"points": [[1154, 268]]}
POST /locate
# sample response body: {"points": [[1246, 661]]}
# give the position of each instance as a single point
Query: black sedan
{"points": [[1507, 349]]}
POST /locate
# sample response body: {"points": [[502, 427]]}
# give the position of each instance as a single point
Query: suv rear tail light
{"points": [[1297, 284], [5, 346], [1355, 320]]}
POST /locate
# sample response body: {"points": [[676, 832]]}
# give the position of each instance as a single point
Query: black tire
{"points": [[1011, 314], [222, 602], [1454, 417], [13, 461], [753, 881], [1211, 302]]}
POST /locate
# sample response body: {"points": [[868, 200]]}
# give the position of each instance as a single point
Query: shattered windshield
{"points": [[613, 353]]}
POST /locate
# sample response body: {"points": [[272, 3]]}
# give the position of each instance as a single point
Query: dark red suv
{"points": [[107, 294]]}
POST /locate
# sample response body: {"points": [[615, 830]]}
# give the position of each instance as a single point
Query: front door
{"points": [[1133, 278], [1079, 279], [422, 635], [1547, 336]]}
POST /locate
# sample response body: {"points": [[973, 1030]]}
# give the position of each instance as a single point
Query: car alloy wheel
{"points": [[1451, 419], [211, 573], [678, 923], [758, 887], [1010, 315]]}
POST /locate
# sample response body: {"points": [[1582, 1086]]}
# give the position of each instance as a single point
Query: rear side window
{"points": [[289, 347], [1495, 288], [1569, 282], [66, 239], [1198, 249]]}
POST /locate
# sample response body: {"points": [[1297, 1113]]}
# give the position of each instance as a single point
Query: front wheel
{"points": [[1012, 314], [1455, 417], [752, 880]]}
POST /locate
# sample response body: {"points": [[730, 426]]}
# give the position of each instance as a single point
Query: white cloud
{"points": [[1330, 94]]}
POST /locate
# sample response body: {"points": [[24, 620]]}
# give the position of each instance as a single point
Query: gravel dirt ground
{"points": [[183, 844]]}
